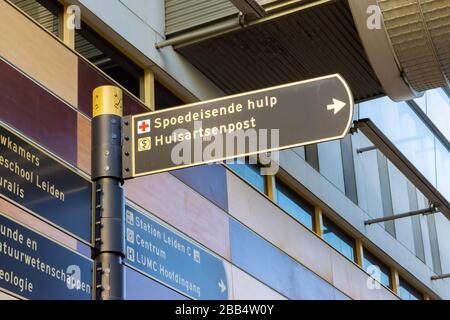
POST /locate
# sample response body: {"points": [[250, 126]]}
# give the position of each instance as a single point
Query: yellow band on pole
{"points": [[107, 100]]}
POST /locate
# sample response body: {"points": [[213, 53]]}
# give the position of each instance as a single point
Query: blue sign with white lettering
{"points": [[34, 267], [35, 180], [173, 259]]}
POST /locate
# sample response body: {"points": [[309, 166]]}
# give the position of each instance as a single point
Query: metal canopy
{"points": [[374, 134], [304, 44]]}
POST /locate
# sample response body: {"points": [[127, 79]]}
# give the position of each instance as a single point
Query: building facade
{"points": [[296, 234]]}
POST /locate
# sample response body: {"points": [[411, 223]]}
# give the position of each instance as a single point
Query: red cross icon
{"points": [[144, 126]]}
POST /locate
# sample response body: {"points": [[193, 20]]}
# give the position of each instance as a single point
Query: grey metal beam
{"points": [[250, 7], [441, 277], [233, 24], [365, 149], [432, 209]]}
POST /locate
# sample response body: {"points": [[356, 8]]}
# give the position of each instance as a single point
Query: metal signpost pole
{"points": [[106, 160]]}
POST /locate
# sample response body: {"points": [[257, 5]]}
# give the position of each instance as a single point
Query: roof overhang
{"points": [[380, 47], [302, 42]]}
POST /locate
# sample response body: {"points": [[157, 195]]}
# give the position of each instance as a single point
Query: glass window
{"points": [[250, 173], [422, 102], [294, 204], [385, 273], [416, 141], [107, 58], [338, 239], [438, 110], [330, 163], [47, 13], [405, 130], [408, 292]]}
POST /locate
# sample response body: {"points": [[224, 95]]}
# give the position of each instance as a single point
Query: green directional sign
{"points": [[267, 120]]}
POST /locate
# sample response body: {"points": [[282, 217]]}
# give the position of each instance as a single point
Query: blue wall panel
{"points": [[140, 287], [270, 265], [208, 180]]}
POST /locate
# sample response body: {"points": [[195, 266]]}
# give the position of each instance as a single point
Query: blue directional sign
{"points": [[36, 181], [165, 255], [34, 267]]}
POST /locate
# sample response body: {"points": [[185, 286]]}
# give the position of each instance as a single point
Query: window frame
{"points": [[380, 264], [335, 227], [297, 199], [230, 164], [405, 285]]}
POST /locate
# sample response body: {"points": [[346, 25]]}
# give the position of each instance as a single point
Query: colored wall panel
{"points": [[24, 217], [209, 180], [248, 207], [338, 295], [132, 106], [37, 114], [353, 281], [57, 66], [245, 287], [140, 287], [171, 200], [273, 267], [84, 143], [90, 78], [273, 224]]}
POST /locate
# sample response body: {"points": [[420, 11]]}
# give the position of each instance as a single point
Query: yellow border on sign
{"points": [[79, 173], [347, 128], [55, 242]]}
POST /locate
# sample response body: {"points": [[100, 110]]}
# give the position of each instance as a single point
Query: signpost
{"points": [[272, 119], [165, 255], [36, 181], [267, 120], [34, 267]]}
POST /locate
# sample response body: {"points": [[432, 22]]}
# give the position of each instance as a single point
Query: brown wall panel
{"points": [[84, 144], [90, 78], [36, 113], [132, 106], [23, 44], [25, 218], [174, 202]]}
